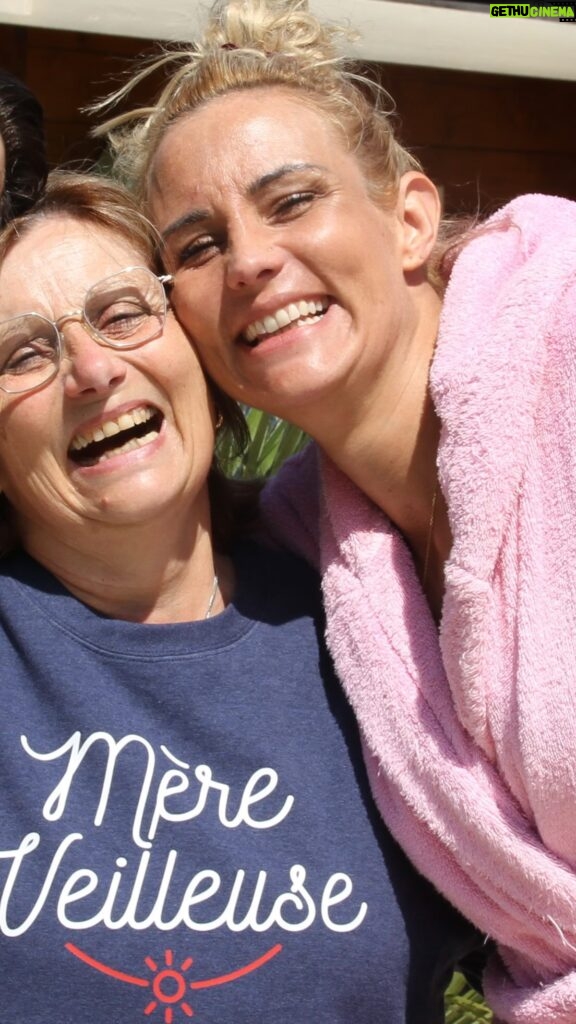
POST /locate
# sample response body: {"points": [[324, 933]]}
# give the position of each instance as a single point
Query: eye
{"points": [[197, 251], [27, 356], [295, 204], [122, 319]]}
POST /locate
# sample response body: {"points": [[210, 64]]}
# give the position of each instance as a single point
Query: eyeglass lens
{"points": [[123, 311]]}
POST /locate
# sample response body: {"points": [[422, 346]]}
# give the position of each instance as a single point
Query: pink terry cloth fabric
{"points": [[470, 733]]}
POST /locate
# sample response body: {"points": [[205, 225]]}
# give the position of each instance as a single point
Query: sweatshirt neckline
{"points": [[48, 598]]}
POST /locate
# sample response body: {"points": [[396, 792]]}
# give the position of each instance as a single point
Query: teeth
{"points": [[135, 442], [282, 318], [270, 324], [125, 421], [293, 313]]}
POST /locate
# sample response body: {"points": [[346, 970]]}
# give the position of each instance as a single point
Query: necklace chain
{"points": [[212, 597], [430, 534]]}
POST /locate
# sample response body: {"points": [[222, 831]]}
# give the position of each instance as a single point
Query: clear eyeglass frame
{"points": [[143, 324]]}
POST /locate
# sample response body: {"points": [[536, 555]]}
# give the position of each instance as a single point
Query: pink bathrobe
{"points": [[470, 735]]}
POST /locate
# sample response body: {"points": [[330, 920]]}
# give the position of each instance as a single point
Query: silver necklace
{"points": [[212, 598]]}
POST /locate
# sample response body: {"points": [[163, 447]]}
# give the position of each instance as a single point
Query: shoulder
{"points": [[532, 238], [290, 504], [273, 583]]}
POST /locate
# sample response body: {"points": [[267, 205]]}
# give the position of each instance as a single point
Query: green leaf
{"points": [[463, 1005], [271, 442]]}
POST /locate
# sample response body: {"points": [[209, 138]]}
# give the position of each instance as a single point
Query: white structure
{"points": [[396, 33]]}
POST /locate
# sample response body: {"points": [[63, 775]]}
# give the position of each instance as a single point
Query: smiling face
{"points": [[295, 285], [118, 436]]}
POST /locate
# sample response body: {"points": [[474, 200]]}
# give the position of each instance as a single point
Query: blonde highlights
{"points": [[257, 44]]}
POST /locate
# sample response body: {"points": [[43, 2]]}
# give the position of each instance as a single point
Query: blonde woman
{"points": [[303, 244]]}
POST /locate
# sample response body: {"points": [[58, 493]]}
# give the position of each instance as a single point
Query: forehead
{"points": [[231, 140], [56, 260]]}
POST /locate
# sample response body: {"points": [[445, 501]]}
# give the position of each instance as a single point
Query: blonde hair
{"points": [[251, 44]]}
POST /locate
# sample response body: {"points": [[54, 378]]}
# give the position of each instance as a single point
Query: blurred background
{"points": [[487, 104]]}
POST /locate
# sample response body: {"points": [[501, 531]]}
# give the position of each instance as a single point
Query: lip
{"points": [[287, 343], [284, 312], [107, 415], [137, 411]]}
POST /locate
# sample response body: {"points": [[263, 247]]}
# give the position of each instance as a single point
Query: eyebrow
{"points": [[280, 172], [195, 216], [192, 217]]}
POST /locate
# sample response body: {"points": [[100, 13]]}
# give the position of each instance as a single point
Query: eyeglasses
{"points": [[121, 312]]}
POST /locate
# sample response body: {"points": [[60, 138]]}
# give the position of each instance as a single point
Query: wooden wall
{"points": [[487, 138], [484, 138]]}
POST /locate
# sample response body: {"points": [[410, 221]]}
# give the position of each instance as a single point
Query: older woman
{"points": [[185, 824], [302, 242]]}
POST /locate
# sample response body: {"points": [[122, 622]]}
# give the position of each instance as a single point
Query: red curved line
{"points": [[104, 968], [224, 978]]}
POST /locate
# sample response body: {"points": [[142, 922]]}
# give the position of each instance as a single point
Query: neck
{"points": [[385, 435], [158, 571], [397, 470], [392, 458], [385, 439]]}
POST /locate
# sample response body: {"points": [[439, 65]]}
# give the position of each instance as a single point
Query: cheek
{"points": [[197, 306], [190, 391], [213, 353], [24, 436]]}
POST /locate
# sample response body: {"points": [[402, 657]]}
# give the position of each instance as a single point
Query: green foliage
{"points": [[464, 1005], [271, 442]]}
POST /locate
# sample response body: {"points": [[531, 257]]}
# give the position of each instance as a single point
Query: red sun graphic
{"points": [[169, 984]]}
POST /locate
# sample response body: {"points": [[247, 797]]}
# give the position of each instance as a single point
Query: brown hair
{"points": [[107, 204], [91, 198]]}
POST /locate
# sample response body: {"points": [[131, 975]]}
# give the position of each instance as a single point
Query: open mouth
{"points": [[299, 314], [130, 430]]}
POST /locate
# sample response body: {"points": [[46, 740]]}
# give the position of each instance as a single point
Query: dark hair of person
{"points": [[22, 132]]}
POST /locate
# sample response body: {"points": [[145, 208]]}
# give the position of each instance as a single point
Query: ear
{"points": [[419, 212]]}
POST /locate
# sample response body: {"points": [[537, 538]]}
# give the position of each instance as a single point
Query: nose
{"points": [[254, 256], [87, 367]]}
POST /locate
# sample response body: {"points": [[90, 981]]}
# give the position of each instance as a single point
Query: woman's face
{"points": [[65, 456], [295, 285]]}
